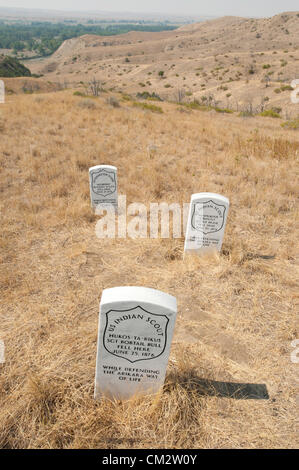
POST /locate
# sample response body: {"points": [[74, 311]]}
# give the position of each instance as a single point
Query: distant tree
{"points": [[95, 87], [180, 95], [267, 80]]}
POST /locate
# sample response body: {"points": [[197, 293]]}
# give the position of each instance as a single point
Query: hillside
{"points": [[230, 380], [240, 63], [11, 67]]}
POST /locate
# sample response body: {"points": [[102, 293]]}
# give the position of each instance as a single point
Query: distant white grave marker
{"points": [[135, 331], [206, 222], [103, 185], [2, 92]]}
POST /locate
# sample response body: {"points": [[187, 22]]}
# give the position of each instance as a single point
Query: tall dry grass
{"points": [[237, 311]]}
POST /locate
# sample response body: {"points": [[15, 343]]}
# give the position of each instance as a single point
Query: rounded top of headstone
{"points": [[197, 196], [139, 294], [98, 167]]}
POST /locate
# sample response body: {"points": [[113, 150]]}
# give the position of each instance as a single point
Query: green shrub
{"points": [[145, 95], [148, 107], [292, 124], [270, 113], [245, 114], [126, 97], [196, 105], [223, 110]]}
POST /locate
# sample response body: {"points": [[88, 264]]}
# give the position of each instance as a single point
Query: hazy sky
{"points": [[196, 7]]}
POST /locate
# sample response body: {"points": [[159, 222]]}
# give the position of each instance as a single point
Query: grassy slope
{"points": [[11, 67], [236, 311]]}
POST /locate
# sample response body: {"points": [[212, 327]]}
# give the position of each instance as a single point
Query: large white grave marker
{"points": [[135, 331], [206, 223], [2, 91], [103, 185]]}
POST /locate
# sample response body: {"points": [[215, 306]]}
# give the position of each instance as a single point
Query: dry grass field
{"points": [[237, 311]]}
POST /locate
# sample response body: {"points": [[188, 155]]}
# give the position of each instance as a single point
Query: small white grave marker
{"points": [[135, 331], [103, 185], [2, 92], [206, 223]]}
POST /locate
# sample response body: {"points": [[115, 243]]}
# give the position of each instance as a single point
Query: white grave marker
{"points": [[103, 185], [135, 331], [206, 223], [2, 92]]}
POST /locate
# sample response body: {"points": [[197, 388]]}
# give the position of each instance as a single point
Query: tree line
{"points": [[44, 38]]}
